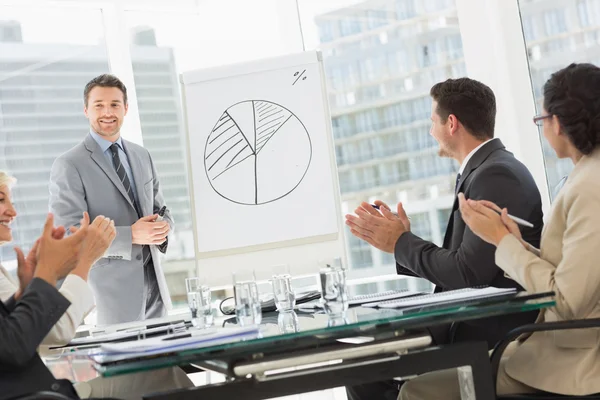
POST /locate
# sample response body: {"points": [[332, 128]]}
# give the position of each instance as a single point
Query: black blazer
{"points": [[23, 326], [465, 260]]}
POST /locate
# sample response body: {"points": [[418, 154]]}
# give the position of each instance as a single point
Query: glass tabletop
{"points": [[282, 333]]}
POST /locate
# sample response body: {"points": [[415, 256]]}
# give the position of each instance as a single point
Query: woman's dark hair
{"points": [[573, 95]]}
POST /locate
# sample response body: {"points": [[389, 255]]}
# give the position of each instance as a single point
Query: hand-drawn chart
{"points": [[258, 152]]}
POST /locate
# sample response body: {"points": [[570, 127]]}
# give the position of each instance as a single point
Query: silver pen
{"points": [[393, 212], [518, 220]]}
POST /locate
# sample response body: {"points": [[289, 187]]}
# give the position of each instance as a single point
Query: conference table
{"points": [[308, 350]]}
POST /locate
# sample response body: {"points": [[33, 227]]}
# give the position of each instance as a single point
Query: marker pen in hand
{"points": [[393, 212], [161, 213]]}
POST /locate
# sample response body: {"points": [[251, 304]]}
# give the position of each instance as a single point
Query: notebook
{"points": [[374, 298], [380, 297], [444, 297]]}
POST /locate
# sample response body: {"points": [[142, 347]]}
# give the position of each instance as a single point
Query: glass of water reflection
{"points": [[283, 293], [199, 301], [334, 296], [247, 301]]}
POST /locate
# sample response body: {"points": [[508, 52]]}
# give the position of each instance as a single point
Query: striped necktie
{"points": [[114, 148], [456, 183]]}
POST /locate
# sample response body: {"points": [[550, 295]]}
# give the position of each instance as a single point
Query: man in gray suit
{"points": [[107, 175]]}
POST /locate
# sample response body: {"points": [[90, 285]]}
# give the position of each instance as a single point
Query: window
{"points": [[555, 54], [349, 26], [529, 28], [443, 218], [376, 18], [390, 121], [325, 31], [405, 9], [420, 225], [44, 67], [555, 21], [162, 47]]}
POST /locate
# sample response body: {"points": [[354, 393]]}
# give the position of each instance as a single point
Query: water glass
{"points": [[199, 302], [283, 293], [334, 296], [287, 322], [247, 301]]}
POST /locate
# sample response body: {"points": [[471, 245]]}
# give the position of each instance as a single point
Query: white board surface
{"points": [[261, 155]]}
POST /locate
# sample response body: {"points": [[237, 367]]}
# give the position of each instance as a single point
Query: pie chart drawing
{"points": [[257, 152]]}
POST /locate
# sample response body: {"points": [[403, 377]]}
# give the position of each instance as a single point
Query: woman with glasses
{"points": [[568, 361]]}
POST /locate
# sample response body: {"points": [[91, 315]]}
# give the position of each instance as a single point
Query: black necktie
{"points": [[456, 183], [114, 148]]}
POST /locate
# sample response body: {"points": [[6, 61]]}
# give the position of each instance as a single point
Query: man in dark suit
{"points": [[463, 118], [24, 322]]}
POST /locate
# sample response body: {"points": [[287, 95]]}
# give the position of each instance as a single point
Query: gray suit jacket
{"points": [[82, 180]]}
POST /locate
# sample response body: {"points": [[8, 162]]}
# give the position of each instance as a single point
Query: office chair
{"points": [[43, 395], [542, 327]]}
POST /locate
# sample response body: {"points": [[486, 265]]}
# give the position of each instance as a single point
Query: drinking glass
{"points": [[283, 293], [199, 302], [247, 301], [334, 296]]}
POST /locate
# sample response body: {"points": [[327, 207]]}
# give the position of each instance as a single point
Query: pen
{"points": [[161, 213], [518, 220], [393, 212]]}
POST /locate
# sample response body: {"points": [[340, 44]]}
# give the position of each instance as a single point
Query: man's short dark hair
{"points": [[472, 102], [104, 80]]}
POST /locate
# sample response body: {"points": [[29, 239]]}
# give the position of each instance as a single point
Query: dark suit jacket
{"points": [[23, 326], [465, 260]]}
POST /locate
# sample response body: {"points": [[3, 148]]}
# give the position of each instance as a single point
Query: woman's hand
{"points": [[100, 235], [483, 220], [27, 265]]}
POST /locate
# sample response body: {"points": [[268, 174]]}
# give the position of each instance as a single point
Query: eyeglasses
{"points": [[539, 118]]}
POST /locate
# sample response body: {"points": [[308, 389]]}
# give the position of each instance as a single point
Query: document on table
{"points": [[450, 296]]}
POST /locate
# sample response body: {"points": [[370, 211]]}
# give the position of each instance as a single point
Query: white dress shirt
{"points": [[75, 289], [468, 157]]}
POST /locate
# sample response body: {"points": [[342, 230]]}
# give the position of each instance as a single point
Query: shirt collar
{"points": [[470, 155], [103, 143]]}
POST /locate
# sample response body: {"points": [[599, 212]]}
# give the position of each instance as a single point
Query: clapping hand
{"points": [[100, 235], [27, 264], [57, 257]]}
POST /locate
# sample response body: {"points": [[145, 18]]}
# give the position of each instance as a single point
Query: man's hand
{"points": [[57, 257], [147, 231], [101, 234], [400, 211], [381, 229]]}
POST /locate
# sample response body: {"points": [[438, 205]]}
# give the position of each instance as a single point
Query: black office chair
{"points": [[50, 395], [530, 328], [43, 395]]}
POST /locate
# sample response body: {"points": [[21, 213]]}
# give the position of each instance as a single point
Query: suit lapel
{"points": [[98, 157], [136, 169], [478, 158]]}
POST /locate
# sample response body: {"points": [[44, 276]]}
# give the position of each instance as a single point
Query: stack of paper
{"points": [[450, 296], [131, 333], [192, 339], [379, 297]]}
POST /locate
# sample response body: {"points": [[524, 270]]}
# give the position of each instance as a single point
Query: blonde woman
{"points": [[76, 290], [75, 287]]}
